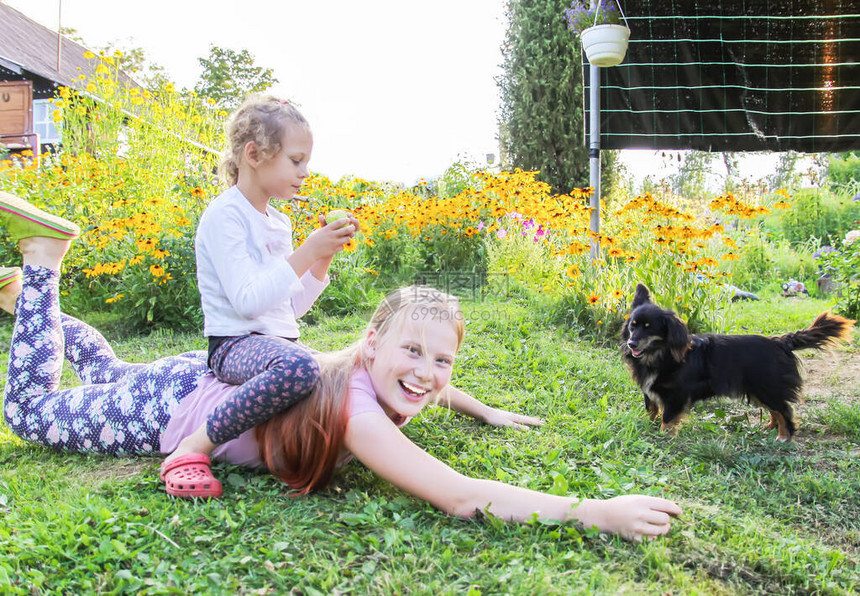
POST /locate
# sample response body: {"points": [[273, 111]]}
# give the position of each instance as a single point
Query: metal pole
{"points": [[594, 156]]}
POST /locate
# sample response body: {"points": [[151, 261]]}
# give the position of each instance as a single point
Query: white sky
{"points": [[394, 89]]}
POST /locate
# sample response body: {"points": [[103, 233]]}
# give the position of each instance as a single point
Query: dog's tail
{"points": [[826, 329]]}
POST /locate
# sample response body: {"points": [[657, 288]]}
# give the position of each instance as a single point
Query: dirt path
{"points": [[832, 375]]}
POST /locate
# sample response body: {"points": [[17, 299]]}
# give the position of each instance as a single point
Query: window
{"points": [[43, 121]]}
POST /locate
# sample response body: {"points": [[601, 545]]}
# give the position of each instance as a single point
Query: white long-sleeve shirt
{"points": [[246, 284]]}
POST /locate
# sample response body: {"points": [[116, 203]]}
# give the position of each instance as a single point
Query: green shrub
{"points": [[844, 266], [844, 172], [458, 177], [440, 248], [764, 261], [516, 262], [134, 173], [816, 213]]}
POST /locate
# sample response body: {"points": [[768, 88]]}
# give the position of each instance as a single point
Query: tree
{"points": [[541, 120], [229, 76], [691, 179], [785, 175]]}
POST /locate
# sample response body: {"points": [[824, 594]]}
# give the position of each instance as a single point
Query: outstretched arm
{"points": [[459, 401], [380, 445]]}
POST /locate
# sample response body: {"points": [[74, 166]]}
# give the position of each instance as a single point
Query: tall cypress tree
{"points": [[541, 122]]}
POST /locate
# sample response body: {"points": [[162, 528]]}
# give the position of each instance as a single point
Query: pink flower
{"points": [[502, 233]]}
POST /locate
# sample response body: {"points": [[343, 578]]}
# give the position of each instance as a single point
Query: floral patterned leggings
{"points": [[121, 409], [272, 373]]}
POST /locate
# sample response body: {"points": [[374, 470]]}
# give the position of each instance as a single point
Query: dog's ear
{"points": [[677, 338], [642, 296]]}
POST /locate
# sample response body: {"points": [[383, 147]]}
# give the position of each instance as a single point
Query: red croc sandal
{"points": [[189, 476]]}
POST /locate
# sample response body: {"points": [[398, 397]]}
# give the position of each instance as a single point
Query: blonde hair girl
{"points": [[253, 285], [369, 390]]}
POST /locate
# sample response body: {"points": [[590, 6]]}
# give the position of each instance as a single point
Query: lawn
{"points": [[759, 517]]}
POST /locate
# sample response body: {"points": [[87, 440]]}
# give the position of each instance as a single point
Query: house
{"points": [[34, 62]]}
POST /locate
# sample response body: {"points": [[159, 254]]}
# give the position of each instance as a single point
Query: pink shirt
{"points": [[193, 411]]}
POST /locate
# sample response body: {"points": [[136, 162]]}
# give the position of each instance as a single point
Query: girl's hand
{"points": [[497, 417], [329, 239], [632, 517], [352, 220]]}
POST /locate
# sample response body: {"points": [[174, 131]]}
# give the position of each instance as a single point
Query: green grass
{"points": [[760, 517]]}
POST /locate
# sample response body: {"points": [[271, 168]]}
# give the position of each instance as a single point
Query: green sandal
{"points": [[8, 275], [23, 220]]}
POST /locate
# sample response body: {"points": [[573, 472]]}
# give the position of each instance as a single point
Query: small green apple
{"points": [[336, 214]]}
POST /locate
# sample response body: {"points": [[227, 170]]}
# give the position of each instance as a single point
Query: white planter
{"points": [[605, 45]]}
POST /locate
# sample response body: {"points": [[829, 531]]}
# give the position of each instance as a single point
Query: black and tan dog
{"points": [[675, 369]]}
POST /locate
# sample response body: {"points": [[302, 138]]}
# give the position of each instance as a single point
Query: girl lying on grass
{"points": [[365, 393]]}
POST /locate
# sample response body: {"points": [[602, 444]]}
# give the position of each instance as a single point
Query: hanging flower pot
{"points": [[604, 37], [605, 45]]}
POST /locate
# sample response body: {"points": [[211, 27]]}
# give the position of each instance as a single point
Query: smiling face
{"points": [[411, 363], [281, 175]]}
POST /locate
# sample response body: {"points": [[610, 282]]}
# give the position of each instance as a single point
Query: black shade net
{"points": [[735, 76]]}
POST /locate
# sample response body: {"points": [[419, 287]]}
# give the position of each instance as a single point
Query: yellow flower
{"points": [[593, 298], [156, 270], [89, 55], [115, 298], [573, 271]]}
